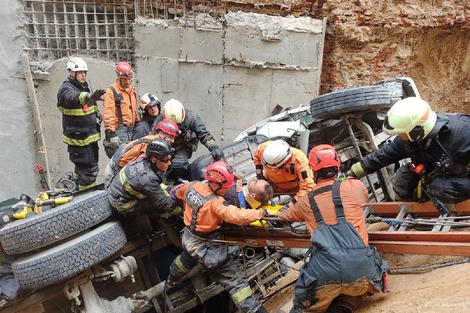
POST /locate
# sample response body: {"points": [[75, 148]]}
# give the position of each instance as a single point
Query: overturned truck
{"points": [[77, 257]]}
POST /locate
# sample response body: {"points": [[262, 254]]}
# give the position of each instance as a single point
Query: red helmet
{"points": [[323, 156], [168, 127], [220, 173], [124, 70]]}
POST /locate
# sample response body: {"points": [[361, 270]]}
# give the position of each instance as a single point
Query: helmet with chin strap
{"points": [[148, 100], [323, 156], [168, 127], [76, 65], [276, 153], [221, 173], [124, 70], [412, 117], [174, 110], [159, 148]]}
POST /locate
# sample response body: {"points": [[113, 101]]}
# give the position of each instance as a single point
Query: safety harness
{"points": [[196, 201]]}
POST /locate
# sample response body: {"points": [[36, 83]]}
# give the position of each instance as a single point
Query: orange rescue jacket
{"points": [[354, 196], [136, 150], [294, 176], [128, 107], [215, 211]]}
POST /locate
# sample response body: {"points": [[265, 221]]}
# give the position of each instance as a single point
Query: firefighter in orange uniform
{"points": [[287, 168], [342, 266], [120, 109], [204, 212]]}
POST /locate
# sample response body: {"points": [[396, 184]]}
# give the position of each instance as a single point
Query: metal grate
{"points": [[97, 28]]}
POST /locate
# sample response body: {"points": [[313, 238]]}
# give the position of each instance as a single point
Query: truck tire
{"points": [[56, 224], [351, 100], [69, 258]]}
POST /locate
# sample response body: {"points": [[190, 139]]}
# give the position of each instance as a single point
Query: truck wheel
{"points": [[351, 100], [56, 224], [69, 258]]}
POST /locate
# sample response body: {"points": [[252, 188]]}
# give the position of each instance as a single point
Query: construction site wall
{"points": [[365, 41]]}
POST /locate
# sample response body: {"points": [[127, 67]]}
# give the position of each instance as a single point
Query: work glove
{"points": [[115, 141], [260, 176], [96, 95], [217, 153], [176, 211], [271, 212], [350, 173]]}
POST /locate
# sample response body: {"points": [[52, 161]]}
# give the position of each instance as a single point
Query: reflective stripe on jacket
{"points": [[193, 130], [215, 211], [294, 176], [135, 182], [78, 122]]}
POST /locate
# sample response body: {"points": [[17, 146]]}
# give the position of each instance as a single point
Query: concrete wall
{"points": [[17, 139], [231, 74], [234, 73]]}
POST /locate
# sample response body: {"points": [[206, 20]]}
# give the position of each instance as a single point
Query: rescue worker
{"points": [[120, 109], [204, 211], [250, 195], [193, 131], [150, 106], [166, 129], [137, 188], [81, 123], [342, 265], [286, 167], [439, 148]]}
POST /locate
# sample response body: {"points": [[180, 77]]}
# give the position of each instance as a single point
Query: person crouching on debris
{"points": [[81, 123], [204, 212], [342, 265], [439, 148], [137, 188], [285, 167], [166, 129]]}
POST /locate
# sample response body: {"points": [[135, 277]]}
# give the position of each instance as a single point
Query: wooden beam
{"points": [[423, 247], [419, 236]]}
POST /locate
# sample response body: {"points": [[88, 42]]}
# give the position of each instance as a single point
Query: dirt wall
{"points": [[428, 40]]}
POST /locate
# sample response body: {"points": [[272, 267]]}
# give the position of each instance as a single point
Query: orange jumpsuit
{"points": [[128, 107], [215, 211], [136, 150], [354, 196], [294, 176], [209, 211]]}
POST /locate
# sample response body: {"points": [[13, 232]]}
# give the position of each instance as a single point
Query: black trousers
{"points": [[85, 159]]}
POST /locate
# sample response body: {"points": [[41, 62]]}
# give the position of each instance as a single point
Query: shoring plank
{"points": [[423, 247], [419, 236]]}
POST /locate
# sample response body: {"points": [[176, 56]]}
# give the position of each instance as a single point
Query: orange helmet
{"points": [[124, 70], [220, 173], [168, 127], [323, 156]]}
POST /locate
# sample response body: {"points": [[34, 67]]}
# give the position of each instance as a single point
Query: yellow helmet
{"points": [[174, 110], [412, 117]]}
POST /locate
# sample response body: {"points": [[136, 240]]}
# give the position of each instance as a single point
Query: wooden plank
{"points": [[420, 236], [37, 114], [423, 247]]}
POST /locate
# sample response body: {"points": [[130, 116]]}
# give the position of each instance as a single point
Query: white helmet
{"points": [[174, 110], [149, 99], [77, 65], [276, 153], [411, 116]]}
